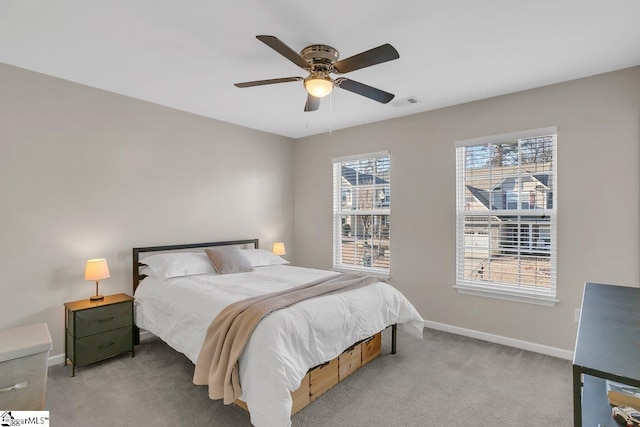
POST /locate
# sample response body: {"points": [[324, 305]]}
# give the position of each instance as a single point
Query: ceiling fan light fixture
{"points": [[318, 85]]}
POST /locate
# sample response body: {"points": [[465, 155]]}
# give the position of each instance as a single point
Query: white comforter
{"points": [[286, 343]]}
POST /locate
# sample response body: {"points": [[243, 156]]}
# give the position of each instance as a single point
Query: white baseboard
{"points": [[146, 335], [58, 359], [498, 339]]}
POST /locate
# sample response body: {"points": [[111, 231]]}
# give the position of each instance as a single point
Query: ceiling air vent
{"points": [[409, 100]]}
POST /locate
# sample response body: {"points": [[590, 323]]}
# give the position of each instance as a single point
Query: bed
{"points": [[178, 294]]}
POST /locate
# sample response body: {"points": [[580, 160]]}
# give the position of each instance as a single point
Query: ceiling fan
{"points": [[320, 61]]}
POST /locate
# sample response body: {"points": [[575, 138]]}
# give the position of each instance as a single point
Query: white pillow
{"points": [[147, 271], [178, 264], [262, 257]]}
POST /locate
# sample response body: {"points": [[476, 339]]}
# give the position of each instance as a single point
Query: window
{"points": [[361, 213], [506, 203]]}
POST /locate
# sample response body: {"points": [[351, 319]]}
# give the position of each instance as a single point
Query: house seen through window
{"points": [[361, 213], [506, 216]]}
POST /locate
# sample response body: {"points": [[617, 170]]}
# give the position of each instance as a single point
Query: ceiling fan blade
{"points": [[374, 56], [364, 90], [268, 82], [284, 50], [313, 103]]}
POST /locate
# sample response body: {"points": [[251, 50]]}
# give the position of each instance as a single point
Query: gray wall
{"points": [[86, 173], [89, 174], [598, 199]]}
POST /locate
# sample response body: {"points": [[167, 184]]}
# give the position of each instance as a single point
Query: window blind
{"points": [[362, 212], [506, 204]]}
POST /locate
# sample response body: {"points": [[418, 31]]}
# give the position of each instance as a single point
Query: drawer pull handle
{"points": [[106, 319], [107, 345], [15, 387], [319, 366]]}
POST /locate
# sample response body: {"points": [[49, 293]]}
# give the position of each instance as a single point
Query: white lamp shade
{"points": [[278, 249], [96, 269]]}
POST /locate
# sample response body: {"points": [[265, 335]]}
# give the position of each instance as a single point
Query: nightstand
{"points": [[98, 330]]}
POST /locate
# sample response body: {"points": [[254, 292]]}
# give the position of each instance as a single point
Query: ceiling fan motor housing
{"points": [[320, 56]]}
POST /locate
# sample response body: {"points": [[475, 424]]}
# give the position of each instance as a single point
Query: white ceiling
{"points": [[186, 54]]}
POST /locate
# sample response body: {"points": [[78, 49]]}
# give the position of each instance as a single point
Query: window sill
{"points": [[524, 297], [382, 274]]}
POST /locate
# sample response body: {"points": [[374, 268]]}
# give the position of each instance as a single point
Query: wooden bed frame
{"points": [[326, 375]]}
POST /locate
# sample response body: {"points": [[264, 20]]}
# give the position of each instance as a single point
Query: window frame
{"points": [[342, 208], [486, 287]]}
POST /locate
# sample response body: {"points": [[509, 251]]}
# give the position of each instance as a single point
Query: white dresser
{"points": [[24, 352]]}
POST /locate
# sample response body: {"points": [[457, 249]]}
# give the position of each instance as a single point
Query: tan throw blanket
{"points": [[228, 334]]}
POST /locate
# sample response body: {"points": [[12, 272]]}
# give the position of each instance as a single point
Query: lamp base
{"points": [[97, 298]]}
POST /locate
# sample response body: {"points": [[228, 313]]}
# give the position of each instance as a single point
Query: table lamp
{"points": [[278, 249], [96, 269]]}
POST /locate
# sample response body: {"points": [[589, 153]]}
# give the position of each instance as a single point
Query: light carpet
{"points": [[443, 380]]}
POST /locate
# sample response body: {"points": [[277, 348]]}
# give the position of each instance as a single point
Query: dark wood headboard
{"points": [[137, 277]]}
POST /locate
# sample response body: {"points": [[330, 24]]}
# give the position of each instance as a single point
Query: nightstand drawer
{"points": [[100, 319], [101, 346]]}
